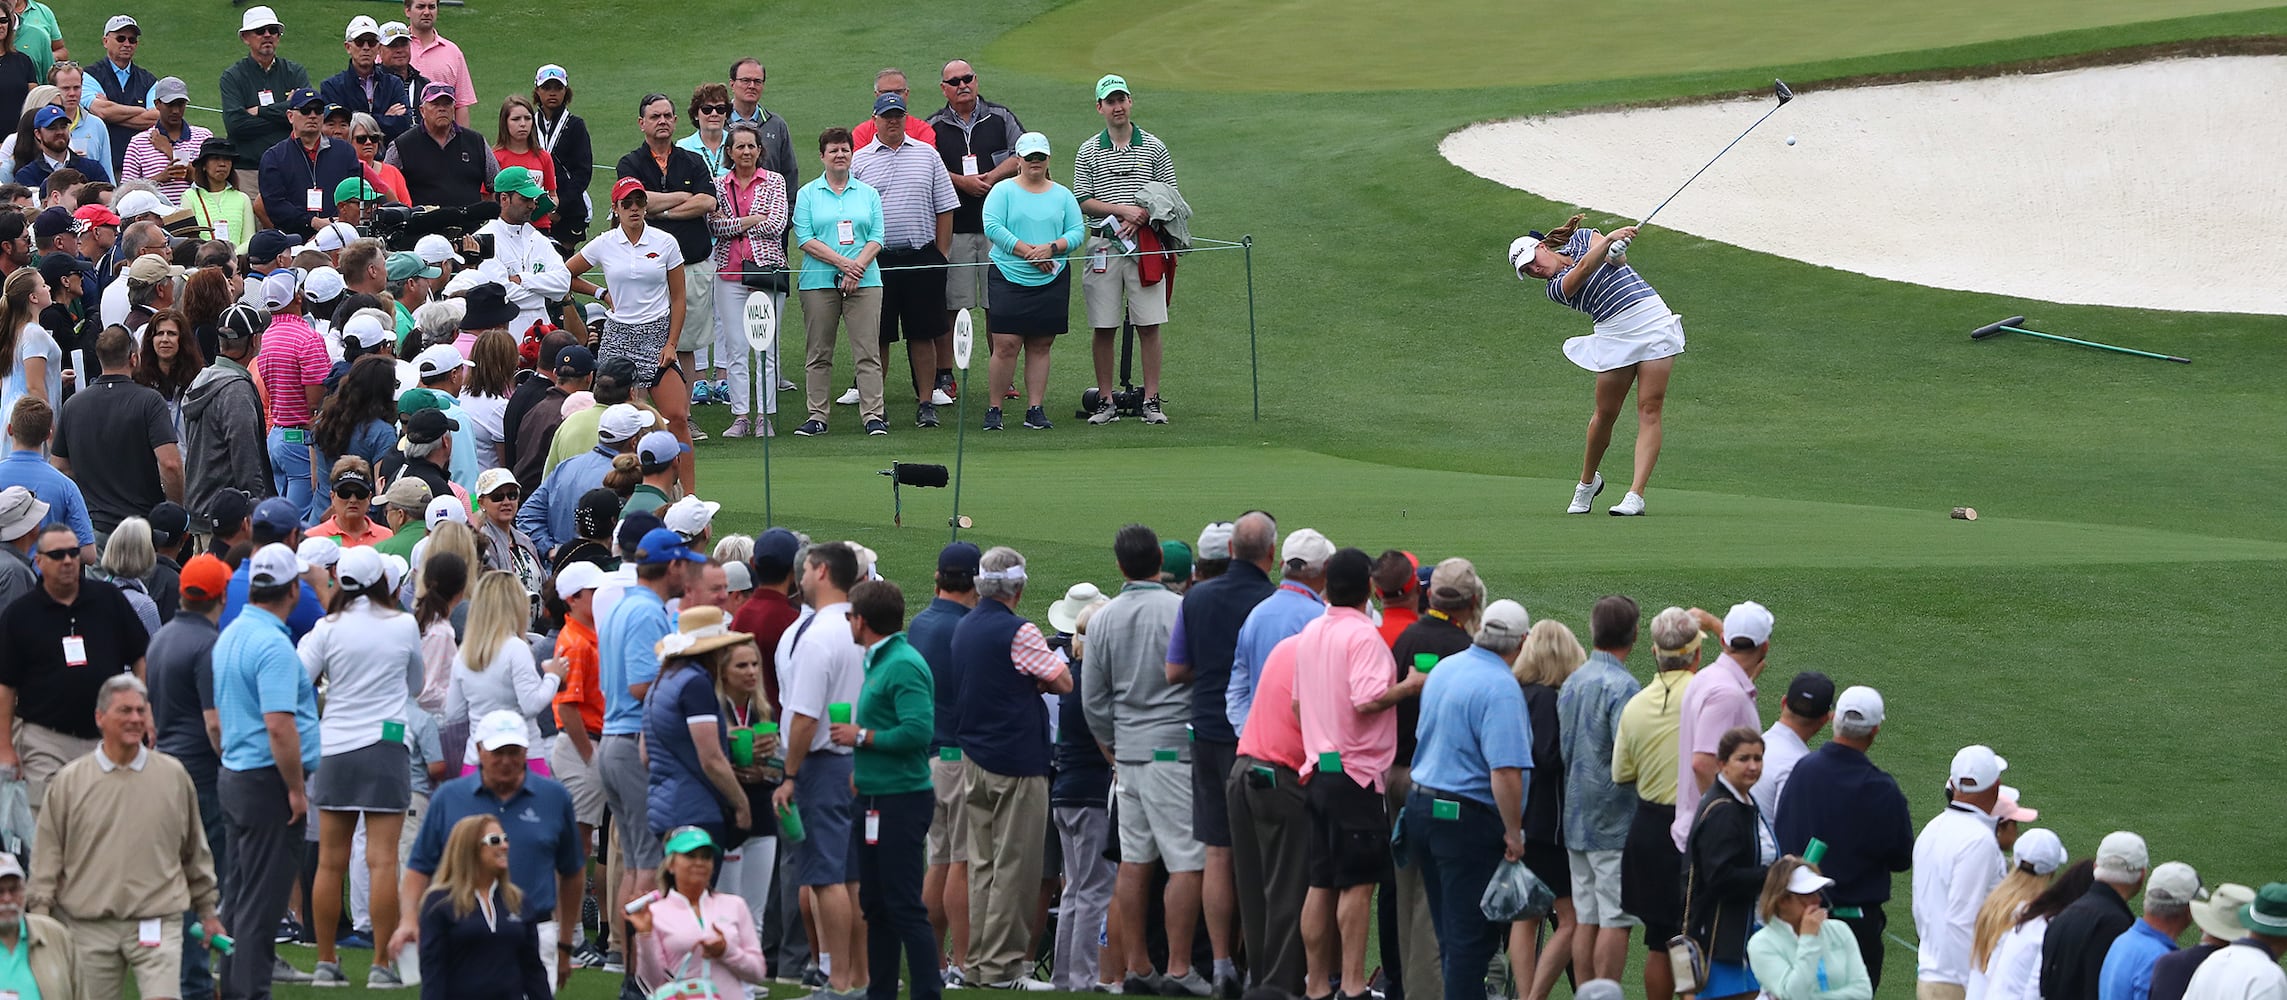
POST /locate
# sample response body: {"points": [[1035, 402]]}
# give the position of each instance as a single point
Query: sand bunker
{"points": [[2154, 185]]}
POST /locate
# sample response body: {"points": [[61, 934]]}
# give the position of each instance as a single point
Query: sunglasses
{"points": [[128, 39], [60, 555], [352, 491], [269, 30], [495, 840], [1036, 158], [365, 43], [366, 140], [963, 79], [714, 109], [505, 493]]}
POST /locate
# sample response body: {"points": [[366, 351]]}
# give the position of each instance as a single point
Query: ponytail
{"points": [[1561, 235]]}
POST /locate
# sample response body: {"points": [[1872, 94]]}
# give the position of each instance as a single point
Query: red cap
{"points": [[620, 190], [205, 578], [96, 215]]}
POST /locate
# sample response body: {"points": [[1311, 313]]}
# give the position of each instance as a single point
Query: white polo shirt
{"points": [[1956, 865], [1782, 750], [635, 273]]}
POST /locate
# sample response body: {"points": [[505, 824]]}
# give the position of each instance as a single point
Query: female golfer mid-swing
{"points": [[1635, 340]]}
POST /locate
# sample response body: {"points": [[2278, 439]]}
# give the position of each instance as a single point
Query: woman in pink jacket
{"points": [[689, 933]]}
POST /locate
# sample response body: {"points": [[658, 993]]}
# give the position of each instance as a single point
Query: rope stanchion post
{"points": [[1254, 357]]}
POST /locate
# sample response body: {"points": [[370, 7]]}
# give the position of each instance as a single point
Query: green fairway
{"points": [[1348, 45], [2100, 625]]}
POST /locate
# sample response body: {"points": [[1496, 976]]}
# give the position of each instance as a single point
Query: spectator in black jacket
{"points": [[223, 409], [299, 174], [475, 942], [364, 86], [2072, 953], [565, 136], [1838, 797], [1724, 865]]}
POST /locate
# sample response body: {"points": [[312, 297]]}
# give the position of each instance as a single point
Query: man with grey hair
{"points": [[1470, 771], [1644, 759], [1837, 796], [122, 853], [2128, 964], [2074, 950], [1001, 726], [1140, 718], [135, 240], [151, 286]]}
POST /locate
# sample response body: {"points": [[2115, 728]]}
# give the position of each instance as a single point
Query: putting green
{"points": [[1348, 45]]}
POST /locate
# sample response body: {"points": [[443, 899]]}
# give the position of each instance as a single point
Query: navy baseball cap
{"points": [[959, 557], [275, 520], [632, 528], [266, 245], [663, 545], [775, 551], [575, 361], [889, 102], [301, 99], [229, 506]]}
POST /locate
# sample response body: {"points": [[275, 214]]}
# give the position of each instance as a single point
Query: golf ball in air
{"points": [[1790, 140]]}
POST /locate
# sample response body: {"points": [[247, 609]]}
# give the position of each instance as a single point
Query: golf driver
{"points": [[2010, 326], [1780, 90]]}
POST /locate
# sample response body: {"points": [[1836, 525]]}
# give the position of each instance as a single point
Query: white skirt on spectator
{"points": [[1645, 331]]}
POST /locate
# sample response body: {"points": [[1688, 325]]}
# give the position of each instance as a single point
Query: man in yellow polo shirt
{"points": [[1644, 755]]}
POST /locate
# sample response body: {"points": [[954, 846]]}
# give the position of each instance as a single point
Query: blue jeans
{"points": [[1457, 857], [290, 469], [198, 978]]}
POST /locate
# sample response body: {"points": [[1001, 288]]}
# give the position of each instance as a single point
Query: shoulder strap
{"points": [[1691, 860]]}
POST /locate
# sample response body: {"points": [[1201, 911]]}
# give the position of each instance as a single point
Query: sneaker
{"points": [[282, 971], [381, 977], [814, 978], [785, 386], [697, 434], [328, 974], [289, 931], [993, 419], [1036, 418], [810, 428], [925, 415], [1011, 393], [1585, 492], [1105, 411], [939, 397], [946, 385], [740, 427], [1631, 505], [355, 939], [1228, 986], [953, 978], [722, 390], [588, 956], [763, 428], [877, 427], [614, 962], [1190, 984], [1026, 984], [702, 392], [849, 398], [1152, 414], [1141, 986], [1111, 988]]}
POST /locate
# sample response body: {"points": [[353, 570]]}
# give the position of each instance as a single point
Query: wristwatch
{"points": [[865, 737]]}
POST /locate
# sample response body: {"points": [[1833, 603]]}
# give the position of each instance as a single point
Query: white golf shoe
{"points": [[849, 397], [1584, 493], [1631, 505]]}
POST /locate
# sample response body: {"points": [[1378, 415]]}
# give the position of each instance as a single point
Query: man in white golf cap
{"points": [[121, 92], [2072, 954], [21, 515], [364, 86], [1721, 698], [254, 91], [548, 510], [2168, 898], [1839, 798], [50, 962], [1957, 862], [1298, 601], [442, 371], [691, 518]]}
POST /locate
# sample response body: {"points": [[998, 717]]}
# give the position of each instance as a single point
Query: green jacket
{"points": [[899, 703], [242, 85], [401, 543]]}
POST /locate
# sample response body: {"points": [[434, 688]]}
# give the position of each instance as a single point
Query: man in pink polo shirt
{"points": [[293, 364], [1343, 693], [1720, 698], [437, 59], [1270, 827]]}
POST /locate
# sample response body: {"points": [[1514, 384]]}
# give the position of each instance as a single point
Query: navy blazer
{"points": [[344, 88], [287, 174], [463, 958]]}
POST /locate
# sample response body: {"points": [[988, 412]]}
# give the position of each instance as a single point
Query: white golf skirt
{"points": [[1646, 331]]}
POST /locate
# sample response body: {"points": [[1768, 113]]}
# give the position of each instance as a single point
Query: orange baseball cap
{"points": [[205, 578]]}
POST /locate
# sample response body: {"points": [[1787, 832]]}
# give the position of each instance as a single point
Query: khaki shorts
{"points": [[1120, 283], [948, 831], [1596, 889], [964, 285], [110, 950], [580, 779], [698, 306], [1155, 816]]}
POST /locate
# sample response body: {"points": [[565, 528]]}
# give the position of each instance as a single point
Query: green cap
{"points": [[684, 840], [1175, 559], [416, 400], [2267, 915], [1111, 83], [406, 264], [355, 189], [518, 180]]}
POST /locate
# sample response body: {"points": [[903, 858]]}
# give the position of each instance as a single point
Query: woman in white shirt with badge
{"points": [[494, 669], [643, 300]]}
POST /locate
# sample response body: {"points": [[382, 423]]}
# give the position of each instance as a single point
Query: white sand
{"points": [[2157, 185]]}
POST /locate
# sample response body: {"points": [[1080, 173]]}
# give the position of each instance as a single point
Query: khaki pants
{"points": [[43, 752], [824, 309], [1417, 935], [110, 950], [1008, 820], [1923, 990]]}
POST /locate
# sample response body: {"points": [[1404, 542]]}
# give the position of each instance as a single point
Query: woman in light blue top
{"points": [[1800, 954], [838, 224], [1033, 223]]}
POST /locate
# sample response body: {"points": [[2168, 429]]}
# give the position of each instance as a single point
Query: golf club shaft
{"points": [[1647, 220], [2101, 347]]}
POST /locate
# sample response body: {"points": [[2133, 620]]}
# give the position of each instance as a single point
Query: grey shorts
{"points": [[375, 778], [822, 792], [1155, 815], [580, 779], [627, 787], [964, 286]]}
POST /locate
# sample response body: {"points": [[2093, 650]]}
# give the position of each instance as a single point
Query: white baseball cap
{"points": [[135, 203], [258, 17], [444, 508], [361, 566], [1504, 618], [1307, 547], [435, 249], [437, 360], [1747, 620], [2041, 850], [393, 32], [497, 729], [318, 550], [690, 516], [274, 565], [1521, 254], [323, 285], [359, 27], [334, 237], [621, 421], [1976, 768], [1214, 541], [579, 576], [2173, 882], [280, 288], [118, 22], [1859, 704], [549, 72], [2122, 855], [737, 578], [367, 328], [396, 567], [10, 866]]}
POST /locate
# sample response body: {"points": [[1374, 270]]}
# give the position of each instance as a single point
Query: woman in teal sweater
{"points": [[1033, 222], [1800, 954], [890, 730]]}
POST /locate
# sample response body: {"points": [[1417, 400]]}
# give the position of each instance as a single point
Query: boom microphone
{"points": [[918, 475]]}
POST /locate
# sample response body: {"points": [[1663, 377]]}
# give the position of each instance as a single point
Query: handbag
{"points": [[1686, 960], [769, 279]]}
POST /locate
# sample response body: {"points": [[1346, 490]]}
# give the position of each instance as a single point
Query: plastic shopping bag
{"points": [[16, 823], [1515, 893]]}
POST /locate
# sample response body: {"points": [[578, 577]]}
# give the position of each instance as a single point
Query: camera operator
{"points": [[354, 199], [521, 257]]}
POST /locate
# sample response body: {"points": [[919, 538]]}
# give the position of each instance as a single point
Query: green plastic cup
{"points": [[790, 823], [742, 747], [838, 713]]}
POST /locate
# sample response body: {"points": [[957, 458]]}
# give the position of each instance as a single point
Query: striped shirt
{"points": [[1030, 652], [293, 357], [1109, 173], [1614, 287], [143, 159], [914, 190]]}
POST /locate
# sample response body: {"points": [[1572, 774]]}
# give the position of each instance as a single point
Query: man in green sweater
{"points": [[890, 730]]}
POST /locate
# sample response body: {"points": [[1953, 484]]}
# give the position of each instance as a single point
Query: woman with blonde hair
{"points": [[494, 669], [475, 942], [2038, 855], [1800, 954], [751, 852], [349, 517], [1550, 654], [33, 363], [691, 935]]}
